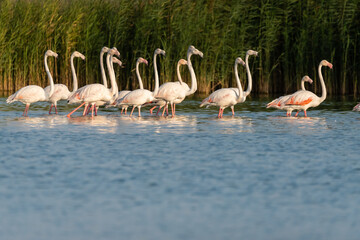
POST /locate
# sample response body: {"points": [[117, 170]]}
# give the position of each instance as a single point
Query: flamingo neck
{"points": [[241, 93], [156, 89], [103, 75], [138, 75], [248, 90], [178, 73], [323, 87], [303, 84], [52, 86], [192, 75], [114, 88], [75, 81]]}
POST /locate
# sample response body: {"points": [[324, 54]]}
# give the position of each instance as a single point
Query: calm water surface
{"points": [[258, 175]]}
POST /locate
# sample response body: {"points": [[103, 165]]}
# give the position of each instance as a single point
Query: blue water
{"points": [[258, 175]]}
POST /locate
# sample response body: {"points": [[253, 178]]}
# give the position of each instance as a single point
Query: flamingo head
{"points": [[114, 51], [252, 52], [51, 53], [159, 51], [326, 63], [239, 61], [195, 51], [105, 49], [78, 54], [116, 60], [306, 78], [142, 60], [182, 62]]}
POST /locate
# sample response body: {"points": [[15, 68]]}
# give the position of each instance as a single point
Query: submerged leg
{"points": [[165, 108], [50, 108], [75, 109], [56, 111], [26, 109], [96, 109], [139, 108], [132, 110], [232, 109]]}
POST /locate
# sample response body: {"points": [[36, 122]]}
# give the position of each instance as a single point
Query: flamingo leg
{"points": [[296, 113], [165, 107], [157, 113], [50, 108], [172, 110], [132, 110], [96, 109], [305, 113], [86, 109], [125, 110], [122, 109], [56, 111], [219, 112], [167, 110], [26, 110], [92, 110], [75, 110], [232, 109], [139, 108], [151, 110]]}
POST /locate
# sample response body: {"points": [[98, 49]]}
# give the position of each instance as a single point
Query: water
{"points": [[258, 175]]}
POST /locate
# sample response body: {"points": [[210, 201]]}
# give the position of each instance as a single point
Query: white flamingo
{"points": [[34, 93], [94, 93], [61, 91], [228, 97], [175, 92], [279, 102], [302, 100], [139, 97], [123, 93]]}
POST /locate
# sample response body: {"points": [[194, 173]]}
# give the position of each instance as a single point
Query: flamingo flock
{"points": [[92, 96]]}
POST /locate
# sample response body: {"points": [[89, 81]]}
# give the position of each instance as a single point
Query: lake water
{"points": [[258, 175]]}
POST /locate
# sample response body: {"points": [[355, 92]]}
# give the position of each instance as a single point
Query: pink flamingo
{"points": [[33, 93], [229, 97], [279, 102], [139, 97], [175, 92], [357, 108], [123, 93], [302, 100], [94, 93], [61, 91]]}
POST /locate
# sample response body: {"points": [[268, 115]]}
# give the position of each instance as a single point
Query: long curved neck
{"points": [[192, 75], [103, 75], [75, 81], [138, 75], [114, 87], [50, 77], [303, 84], [178, 73], [241, 93], [323, 87], [156, 89], [248, 90]]}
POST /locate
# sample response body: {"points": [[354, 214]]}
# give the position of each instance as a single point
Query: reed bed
{"points": [[292, 37]]}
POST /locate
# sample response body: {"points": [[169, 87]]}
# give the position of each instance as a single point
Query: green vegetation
{"points": [[292, 37]]}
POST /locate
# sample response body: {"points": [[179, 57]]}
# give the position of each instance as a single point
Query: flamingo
{"points": [[123, 93], [139, 97], [33, 93], [167, 86], [357, 107], [95, 93], [280, 101], [61, 91], [226, 97], [229, 97], [175, 92], [302, 100]]}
